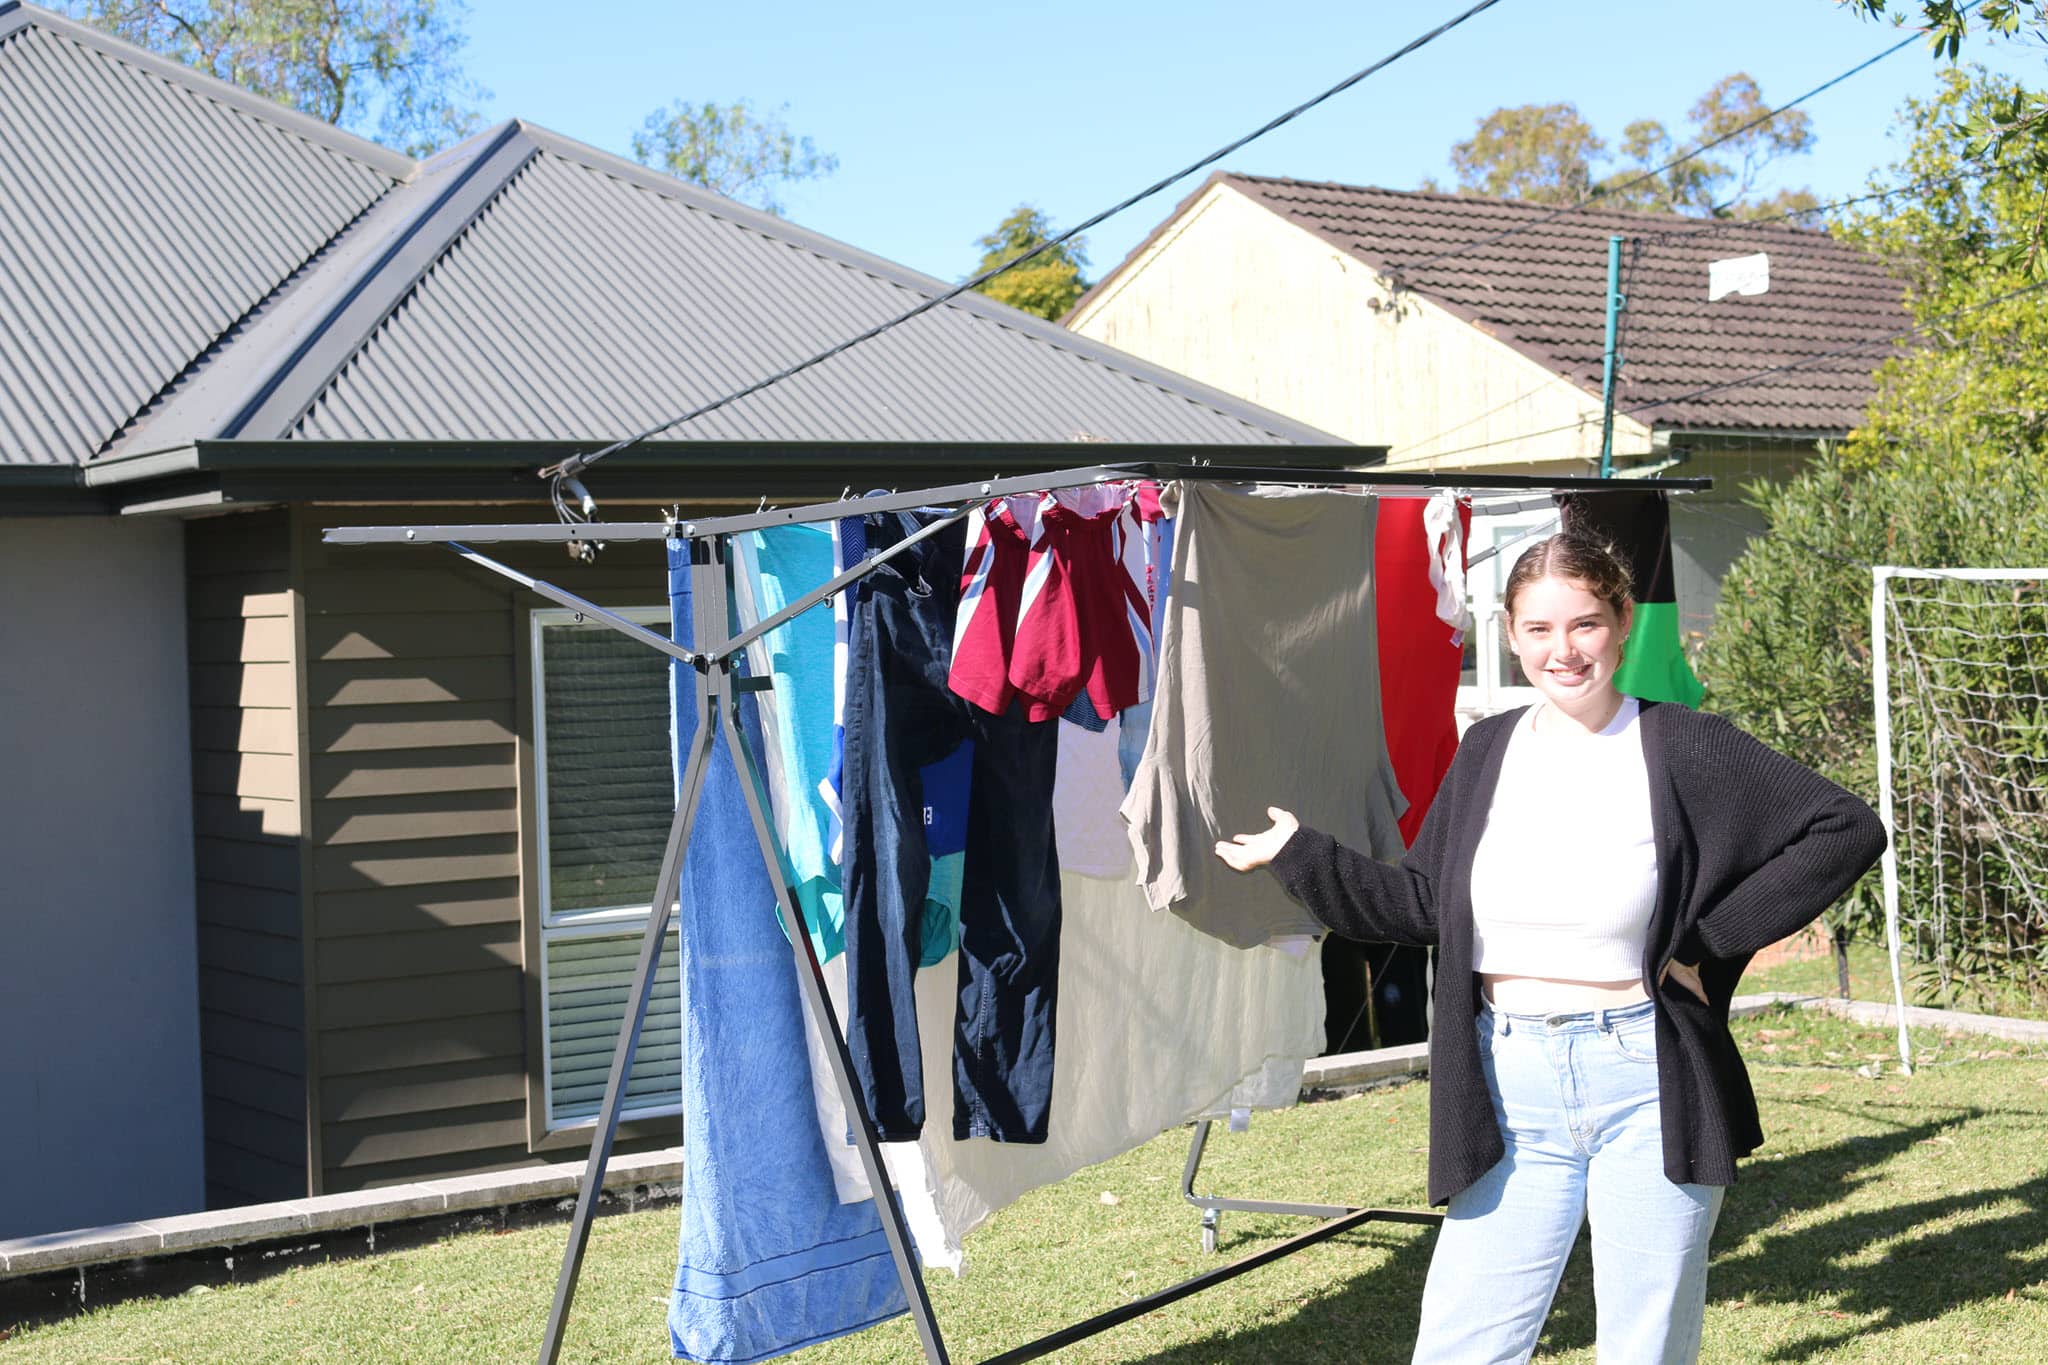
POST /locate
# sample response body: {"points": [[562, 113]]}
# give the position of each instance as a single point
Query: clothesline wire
{"points": [[568, 469], [1600, 192], [1746, 380]]}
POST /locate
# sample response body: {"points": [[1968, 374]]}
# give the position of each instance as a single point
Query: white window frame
{"points": [[594, 922], [1496, 687]]}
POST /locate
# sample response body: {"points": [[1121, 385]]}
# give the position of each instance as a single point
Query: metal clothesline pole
{"points": [[665, 887]]}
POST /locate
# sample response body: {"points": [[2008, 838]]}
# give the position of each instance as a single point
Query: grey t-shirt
{"points": [[1268, 695]]}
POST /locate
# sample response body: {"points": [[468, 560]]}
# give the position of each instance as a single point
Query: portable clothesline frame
{"points": [[719, 687]]}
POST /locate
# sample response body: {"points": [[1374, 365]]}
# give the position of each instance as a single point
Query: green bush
{"points": [[1789, 659]]}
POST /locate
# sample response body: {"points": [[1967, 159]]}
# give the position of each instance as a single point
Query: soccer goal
{"points": [[1960, 686]]}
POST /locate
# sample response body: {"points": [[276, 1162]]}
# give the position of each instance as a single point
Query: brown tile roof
{"points": [[1542, 291]]}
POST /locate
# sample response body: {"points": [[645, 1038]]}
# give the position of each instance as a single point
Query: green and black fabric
{"points": [[1638, 522]]}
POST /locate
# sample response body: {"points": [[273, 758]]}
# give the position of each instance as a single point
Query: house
{"points": [[1469, 333], [323, 863]]}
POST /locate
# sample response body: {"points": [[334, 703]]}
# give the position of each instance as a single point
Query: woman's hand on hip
{"points": [[1686, 975], [1248, 851]]}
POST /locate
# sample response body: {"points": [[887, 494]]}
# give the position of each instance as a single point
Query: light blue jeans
{"points": [[1576, 1099]]}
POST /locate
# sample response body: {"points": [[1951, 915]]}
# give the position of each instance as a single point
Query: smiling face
{"points": [[1569, 641]]}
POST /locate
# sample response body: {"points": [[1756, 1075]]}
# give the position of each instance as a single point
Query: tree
{"points": [[2009, 125], [389, 69], [1549, 154], [730, 150], [1949, 468], [1974, 389], [1046, 285], [1542, 153]]}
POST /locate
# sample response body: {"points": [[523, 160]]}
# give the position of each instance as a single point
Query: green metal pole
{"points": [[1610, 362]]}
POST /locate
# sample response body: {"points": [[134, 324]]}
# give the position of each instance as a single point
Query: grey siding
{"points": [[247, 822], [417, 906], [101, 1065]]}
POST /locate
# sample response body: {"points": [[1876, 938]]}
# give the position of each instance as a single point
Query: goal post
{"points": [[1959, 690]]}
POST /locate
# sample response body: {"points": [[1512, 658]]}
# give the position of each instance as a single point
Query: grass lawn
{"points": [[1870, 974], [1888, 1218]]}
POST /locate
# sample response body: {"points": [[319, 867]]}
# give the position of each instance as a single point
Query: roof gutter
{"points": [[664, 471], [47, 490]]}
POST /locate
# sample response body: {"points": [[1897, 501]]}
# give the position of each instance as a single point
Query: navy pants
{"points": [[900, 717]]}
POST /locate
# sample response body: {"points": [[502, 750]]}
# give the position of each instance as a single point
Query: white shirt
{"points": [[1565, 878]]}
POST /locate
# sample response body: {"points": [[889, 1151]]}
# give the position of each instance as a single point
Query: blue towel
{"points": [[768, 1259]]}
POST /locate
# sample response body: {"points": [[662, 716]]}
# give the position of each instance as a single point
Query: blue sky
{"points": [[943, 117]]}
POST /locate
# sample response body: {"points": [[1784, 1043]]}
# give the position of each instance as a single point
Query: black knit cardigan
{"points": [[1750, 847]]}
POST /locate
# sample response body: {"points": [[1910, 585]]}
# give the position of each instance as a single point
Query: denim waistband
{"points": [[1595, 1020]]}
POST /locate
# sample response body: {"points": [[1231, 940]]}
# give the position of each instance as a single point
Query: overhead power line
{"points": [[1609, 191], [1745, 380], [576, 464], [1709, 228], [1712, 227]]}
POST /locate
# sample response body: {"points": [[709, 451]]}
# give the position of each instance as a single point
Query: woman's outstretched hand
{"points": [[1247, 851]]}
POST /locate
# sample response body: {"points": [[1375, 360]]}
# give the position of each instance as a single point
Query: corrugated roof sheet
{"points": [[1543, 291], [145, 208], [590, 298]]}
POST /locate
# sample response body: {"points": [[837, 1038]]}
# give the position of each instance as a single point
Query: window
{"points": [[1492, 681], [603, 730]]}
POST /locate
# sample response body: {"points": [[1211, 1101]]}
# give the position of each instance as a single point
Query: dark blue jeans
{"points": [[901, 716]]}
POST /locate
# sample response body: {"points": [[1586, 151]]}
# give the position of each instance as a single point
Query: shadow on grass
{"points": [[1371, 1317], [1885, 1268]]}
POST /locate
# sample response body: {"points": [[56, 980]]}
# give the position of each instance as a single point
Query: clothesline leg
{"points": [[629, 1035], [811, 982]]}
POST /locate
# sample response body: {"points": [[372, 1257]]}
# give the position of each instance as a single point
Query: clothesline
{"points": [[715, 662], [1385, 483]]}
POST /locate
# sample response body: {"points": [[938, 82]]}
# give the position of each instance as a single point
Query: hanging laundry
{"points": [[1418, 554], [1137, 720], [1638, 521], [768, 1259], [1085, 794], [1056, 596], [1268, 696], [1159, 1024], [799, 720], [901, 716]]}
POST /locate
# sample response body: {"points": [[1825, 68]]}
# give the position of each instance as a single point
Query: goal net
{"points": [[1960, 685]]}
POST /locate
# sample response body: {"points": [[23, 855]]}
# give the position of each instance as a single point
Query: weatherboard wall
{"points": [[247, 820], [424, 953]]}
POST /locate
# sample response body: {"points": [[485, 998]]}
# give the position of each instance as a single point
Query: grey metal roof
{"points": [[530, 288], [145, 209], [192, 264]]}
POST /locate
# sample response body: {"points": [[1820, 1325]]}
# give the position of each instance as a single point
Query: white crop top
{"points": [[1565, 878]]}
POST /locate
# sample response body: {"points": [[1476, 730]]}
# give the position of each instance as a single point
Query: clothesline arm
{"points": [[560, 597], [1388, 483], [838, 582]]}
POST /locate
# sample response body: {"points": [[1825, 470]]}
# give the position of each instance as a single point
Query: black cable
{"points": [[1705, 230], [1719, 225], [1744, 380], [576, 464], [1606, 191]]}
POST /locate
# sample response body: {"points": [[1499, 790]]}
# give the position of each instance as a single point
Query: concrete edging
{"points": [[660, 1173]]}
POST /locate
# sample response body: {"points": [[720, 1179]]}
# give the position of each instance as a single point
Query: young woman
{"points": [[1595, 874]]}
